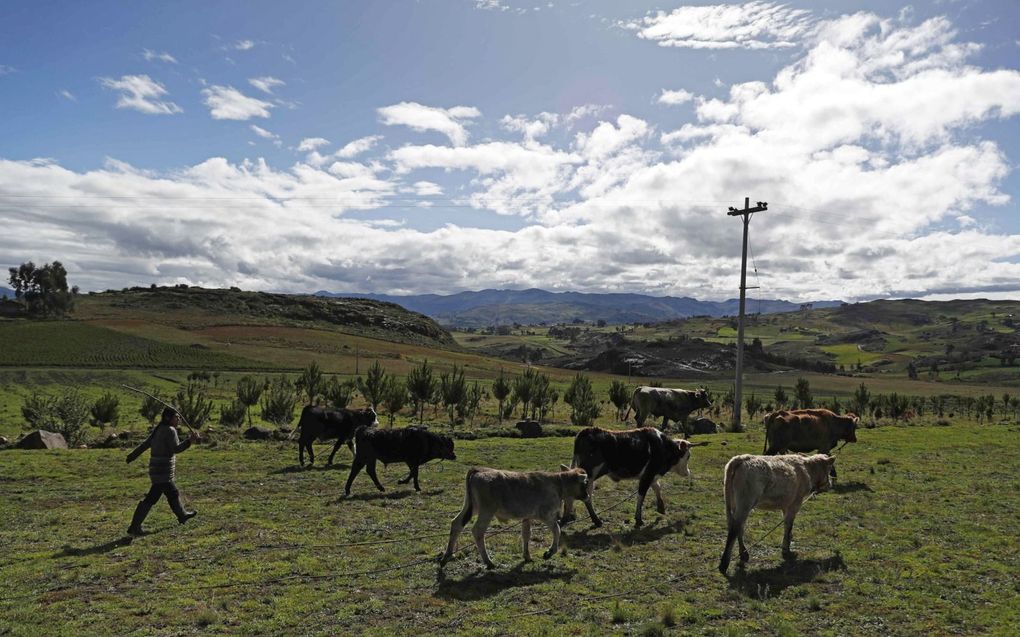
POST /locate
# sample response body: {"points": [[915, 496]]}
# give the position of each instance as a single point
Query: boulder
{"points": [[703, 426], [257, 433], [40, 439], [4, 441], [529, 428]]}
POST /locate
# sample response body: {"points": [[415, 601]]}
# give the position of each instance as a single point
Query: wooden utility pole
{"points": [[737, 396]]}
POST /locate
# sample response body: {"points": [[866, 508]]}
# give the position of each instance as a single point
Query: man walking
{"points": [[164, 445]]}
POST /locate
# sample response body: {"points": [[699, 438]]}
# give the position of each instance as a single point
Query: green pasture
{"points": [[915, 539]]}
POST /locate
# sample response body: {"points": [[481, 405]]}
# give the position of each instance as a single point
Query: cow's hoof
{"points": [[638, 524], [789, 556], [382, 490], [744, 557], [661, 508], [548, 554], [567, 519], [527, 559], [490, 565], [596, 524], [723, 566]]}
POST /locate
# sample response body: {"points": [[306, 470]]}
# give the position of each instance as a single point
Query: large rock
{"points": [[703, 426], [40, 439], [4, 441], [529, 428], [257, 433]]}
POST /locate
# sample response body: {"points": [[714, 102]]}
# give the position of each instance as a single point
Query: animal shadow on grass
{"points": [[389, 495], [585, 540], [71, 551], [851, 487], [769, 582], [314, 467], [488, 583]]}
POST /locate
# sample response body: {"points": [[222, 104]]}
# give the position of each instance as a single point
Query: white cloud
{"points": [[244, 45], [869, 146], [752, 25], [150, 55], [491, 5], [673, 98], [226, 102], [311, 143], [358, 146], [427, 189], [67, 95], [141, 93], [265, 134], [6, 70], [448, 121], [266, 83]]}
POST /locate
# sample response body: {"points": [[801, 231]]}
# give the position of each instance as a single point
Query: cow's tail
{"points": [[626, 416], [768, 426], [729, 489], [468, 511]]}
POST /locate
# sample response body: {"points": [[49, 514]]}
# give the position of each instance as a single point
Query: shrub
{"points": [[584, 409], [105, 410], [249, 390], [453, 391], [339, 394], [501, 391], [394, 396], [66, 414], [151, 407], [374, 385], [278, 402], [422, 386], [310, 382], [193, 404], [619, 395], [233, 415]]}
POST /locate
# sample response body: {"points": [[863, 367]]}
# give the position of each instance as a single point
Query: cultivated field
{"points": [[917, 538]]}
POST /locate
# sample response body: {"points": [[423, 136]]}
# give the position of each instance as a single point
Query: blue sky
{"points": [[440, 146]]}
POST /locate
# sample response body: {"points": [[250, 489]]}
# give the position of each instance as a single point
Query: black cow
{"points": [[643, 454], [319, 423], [413, 445]]}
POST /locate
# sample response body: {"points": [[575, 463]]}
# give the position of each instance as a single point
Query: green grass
{"points": [[76, 344], [914, 540]]}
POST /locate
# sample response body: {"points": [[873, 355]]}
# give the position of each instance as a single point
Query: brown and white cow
{"points": [[643, 454], [769, 482], [510, 495], [669, 404], [805, 430]]}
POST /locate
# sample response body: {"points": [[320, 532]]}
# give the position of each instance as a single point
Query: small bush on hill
{"points": [[105, 410], [278, 402], [66, 414]]}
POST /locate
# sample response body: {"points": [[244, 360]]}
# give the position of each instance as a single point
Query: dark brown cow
{"points": [[636, 454], [412, 445], [319, 423], [806, 430]]}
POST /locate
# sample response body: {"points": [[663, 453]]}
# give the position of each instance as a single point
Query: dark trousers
{"points": [[156, 491]]}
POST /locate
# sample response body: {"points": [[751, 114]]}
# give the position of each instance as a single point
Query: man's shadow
{"points": [[769, 582], [106, 547], [337, 466], [851, 487], [388, 495], [482, 584]]}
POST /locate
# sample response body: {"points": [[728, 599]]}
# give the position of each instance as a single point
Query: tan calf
{"points": [[769, 482], [509, 495]]}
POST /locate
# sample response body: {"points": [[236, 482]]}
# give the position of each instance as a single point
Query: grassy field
{"points": [[917, 538]]}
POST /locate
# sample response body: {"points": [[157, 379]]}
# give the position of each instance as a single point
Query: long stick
{"points": [[162, 402]]}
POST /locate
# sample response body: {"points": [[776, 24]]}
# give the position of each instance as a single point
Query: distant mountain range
{"points": [[8, 292], [530, 307]]}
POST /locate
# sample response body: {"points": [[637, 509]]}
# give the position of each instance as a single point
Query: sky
{"points": [[449, 145]]}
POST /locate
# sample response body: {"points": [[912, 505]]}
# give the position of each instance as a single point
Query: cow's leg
{"points": [[410, 471], [665, 423], [339, 441], [414, 476], [370, 470], [660, 504], [301, 452], [478, 531], [457, 526], [683, 427], [639, 418], [553, 526], [595, 521], [646, 481], [734, 532], [526, 538], [788, 518], [356, 467]]}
